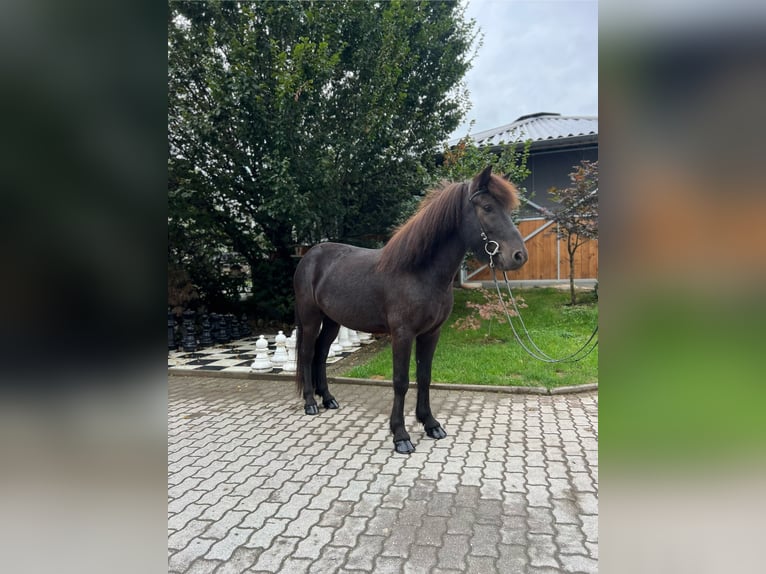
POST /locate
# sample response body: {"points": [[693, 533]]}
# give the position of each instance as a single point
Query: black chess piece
{"points": [[190, 337], [222, 335], [205, 339], [226, 320], [171, 331], [245, 326], [215, 326], [235, 333]]}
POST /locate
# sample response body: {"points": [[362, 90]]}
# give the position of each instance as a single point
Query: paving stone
{"points": [[223, 549], [484, 541], [480, 565], [240, 560], [588, 502], [258, 517], [467, 496], [395, 496], [362, 557], [178, 521], [448, 483], [540, 520], [300, 527], [578, 563], [570, 539], [220, 528], [388, 565], [541, 550], [453, 552], [217, 509], [181, 538], [296, 565], [178, 504], [330, 560], [513, 558], [489, 512], [264, 536], [337, 513], [293, 507], [311, 546], [491, 488], [421, 559], [182, 560], [347, 534], [203, 566], [382, 521], [398, 542], [565, 511], [271, 558], [514, 530], [513, 488], [431, 531]]}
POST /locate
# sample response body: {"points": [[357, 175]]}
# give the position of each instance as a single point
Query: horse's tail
{"points": [[298, 362]]}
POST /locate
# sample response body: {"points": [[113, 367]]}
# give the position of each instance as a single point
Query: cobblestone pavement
{"points": [[257, 486]]}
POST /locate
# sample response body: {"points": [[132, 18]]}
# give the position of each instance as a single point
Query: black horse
{"points": [[404, 289]]}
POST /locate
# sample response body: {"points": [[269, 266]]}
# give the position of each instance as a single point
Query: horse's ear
{"points": [[482, 180]]}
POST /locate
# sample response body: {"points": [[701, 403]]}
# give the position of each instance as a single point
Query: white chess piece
{"points": [[290, 365], [280, 354], [336, 347], [261, 363], [354, 337], [363, 337], [344, 340]]}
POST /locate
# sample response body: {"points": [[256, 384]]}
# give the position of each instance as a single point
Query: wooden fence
{"points": [[548, 257]]}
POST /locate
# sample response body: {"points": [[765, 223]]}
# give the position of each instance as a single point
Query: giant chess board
{"points": [[237, 356]]}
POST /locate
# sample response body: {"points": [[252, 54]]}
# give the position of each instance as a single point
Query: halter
{"points": [[491, 251], [535, 351]]}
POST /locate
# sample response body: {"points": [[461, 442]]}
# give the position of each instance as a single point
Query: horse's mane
{"points": [[438, 215]]}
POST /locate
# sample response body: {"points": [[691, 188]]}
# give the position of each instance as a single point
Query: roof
{"points": [[542, 128]]}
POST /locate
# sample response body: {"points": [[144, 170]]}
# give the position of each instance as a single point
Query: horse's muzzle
{"points": [[515, 261]]}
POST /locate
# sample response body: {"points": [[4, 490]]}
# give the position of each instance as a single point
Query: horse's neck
{"points": [[446, 260]]}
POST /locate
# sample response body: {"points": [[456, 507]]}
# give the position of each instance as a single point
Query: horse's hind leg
{"points": [[424, 354], [329, 331], [310, 323]]}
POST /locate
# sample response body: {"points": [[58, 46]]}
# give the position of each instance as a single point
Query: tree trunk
{"points": [[571, 248]]}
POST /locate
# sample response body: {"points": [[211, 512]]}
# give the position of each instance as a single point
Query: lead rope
{"points": [[537, 353]]}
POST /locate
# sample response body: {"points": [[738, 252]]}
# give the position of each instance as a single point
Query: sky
{"points": [[537, 56]]}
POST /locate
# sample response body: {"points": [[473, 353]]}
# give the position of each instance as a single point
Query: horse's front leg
{"points": [[402, 348], [424, 354]]}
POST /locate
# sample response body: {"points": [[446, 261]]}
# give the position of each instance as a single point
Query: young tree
{"points": [[293, 122], [577, 219]]}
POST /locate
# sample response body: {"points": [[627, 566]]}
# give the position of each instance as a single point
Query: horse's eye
{"points": [[487, 207]]}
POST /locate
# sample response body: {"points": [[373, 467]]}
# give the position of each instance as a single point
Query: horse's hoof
{"points": [[312, 409], [330, 404], [436, 432], [403, 446]]}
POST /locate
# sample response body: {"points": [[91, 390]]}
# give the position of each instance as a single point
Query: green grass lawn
{"points": [[491, 356]]}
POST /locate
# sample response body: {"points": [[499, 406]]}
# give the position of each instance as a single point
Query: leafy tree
{"points": [[577, 219], [465, 159], [299, 121]]}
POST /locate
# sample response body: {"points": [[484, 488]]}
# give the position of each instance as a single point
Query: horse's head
{"points": [[487, 226]]}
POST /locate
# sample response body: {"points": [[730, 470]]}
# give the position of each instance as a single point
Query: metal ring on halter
{"points": [[491, 253], [494, 251]]}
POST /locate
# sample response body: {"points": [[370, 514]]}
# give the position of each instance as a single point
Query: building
{"points": [[558, 144]]}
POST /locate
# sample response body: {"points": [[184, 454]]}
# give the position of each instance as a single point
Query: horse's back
{"points": [[335, 259], [342, 282]]}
